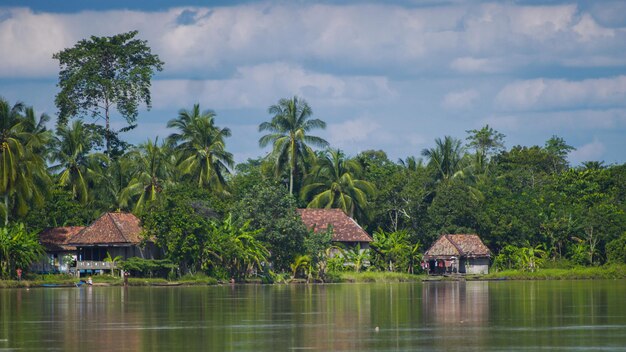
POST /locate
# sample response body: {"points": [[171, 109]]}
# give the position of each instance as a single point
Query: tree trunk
{"points": [[6, 209]]}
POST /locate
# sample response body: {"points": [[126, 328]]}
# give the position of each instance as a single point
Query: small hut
{"points": [[463, 254]]}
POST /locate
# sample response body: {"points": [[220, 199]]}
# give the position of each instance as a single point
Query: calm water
{"points": [[479, 316]]}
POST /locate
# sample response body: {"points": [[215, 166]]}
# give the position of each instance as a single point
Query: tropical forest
{"points": [[212, 216]]}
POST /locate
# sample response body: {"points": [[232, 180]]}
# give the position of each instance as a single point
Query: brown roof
{"points": [[458, 246], [345, 229], [54, 239], [110, 228]]}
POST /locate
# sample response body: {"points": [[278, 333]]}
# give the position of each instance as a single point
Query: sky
{"points": [[389, 76]]}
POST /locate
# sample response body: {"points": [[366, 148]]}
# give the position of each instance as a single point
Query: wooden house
{"points": [[345, 230], [59, 255], [464, 254], [112, 234]]}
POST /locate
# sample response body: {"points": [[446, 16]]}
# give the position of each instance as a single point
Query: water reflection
{"points": [[452, 303], [433, 315]]}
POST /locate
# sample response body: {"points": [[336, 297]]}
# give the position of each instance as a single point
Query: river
{"points": [[430, 316]]}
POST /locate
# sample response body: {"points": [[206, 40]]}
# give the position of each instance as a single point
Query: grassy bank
{"points": [[370, 276], [67, 280], [576, 273]]}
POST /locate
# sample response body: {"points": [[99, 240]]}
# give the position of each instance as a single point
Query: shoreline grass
{"points": [[577, 273], [371, 276]]}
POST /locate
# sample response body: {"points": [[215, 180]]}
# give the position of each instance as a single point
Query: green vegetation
{"points": [[373, 277], [213, 218], [593, 272], [105, 72]]}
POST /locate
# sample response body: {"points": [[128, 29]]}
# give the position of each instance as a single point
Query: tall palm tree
{"points": [[447, 157], [201, 148], [23, 179], [76, 167], [152, 172], [334, 184], [288, 133]]}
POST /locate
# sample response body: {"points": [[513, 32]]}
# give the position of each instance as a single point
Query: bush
{"points": [[139, 267]]}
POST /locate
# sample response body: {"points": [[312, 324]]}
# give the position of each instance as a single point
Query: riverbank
{"points": [[576, 273], [105, 280], [371, 276]]}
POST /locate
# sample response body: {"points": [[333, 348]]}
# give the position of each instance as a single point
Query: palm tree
{"points": [[288, 134], [76, 167], [201, 147], [411, 163], [447, 157], [334, 184], [23, 179], [152, 172]]}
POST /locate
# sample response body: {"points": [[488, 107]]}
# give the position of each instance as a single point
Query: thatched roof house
{"points": [[115, 234], [458, 253], [345, 229]]}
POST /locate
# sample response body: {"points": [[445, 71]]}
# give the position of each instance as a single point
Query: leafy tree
{"points": [[558, 150], [201, 148], [446, 157], [235, 249], [486, 141], [18, 249], [616, 250], [272, 210], [334, 183], [393, 251], [105, 72], [60, 209], [288, 132], [180, 222], [453, 210]]}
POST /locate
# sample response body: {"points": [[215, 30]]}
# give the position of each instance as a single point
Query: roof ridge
{"points": [[461, 252], [117, 227]]}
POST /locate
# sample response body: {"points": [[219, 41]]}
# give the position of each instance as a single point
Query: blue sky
{"points": [[383, 75]]}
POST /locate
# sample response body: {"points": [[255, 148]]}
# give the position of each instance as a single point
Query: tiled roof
{"points": [[458, 246], [345, 229], [110, 228], [55, 239]]}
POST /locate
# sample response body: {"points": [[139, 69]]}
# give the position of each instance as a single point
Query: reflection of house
{"points": [[464, 254], [345, 230], [59, 255], [114, 234]]}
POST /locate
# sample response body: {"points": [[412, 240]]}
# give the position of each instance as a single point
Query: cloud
{"points": [[588, 29], [346, 133], [542, 93], [261, 85], [201, 42], [460, 99], [585, 119], [479, 65], [590, 151]]}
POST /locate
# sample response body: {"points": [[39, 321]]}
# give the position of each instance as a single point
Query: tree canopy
{"points": [[100, 73]]}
